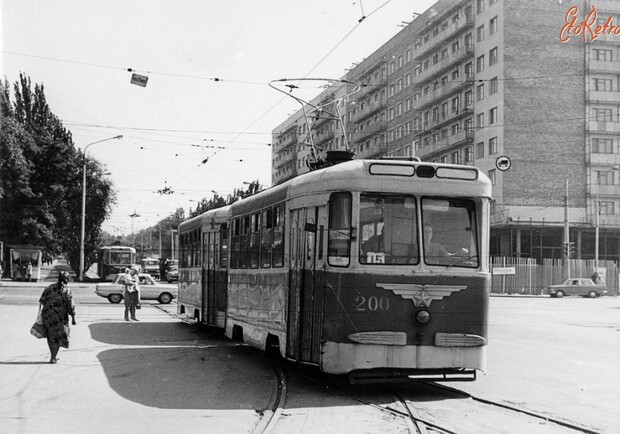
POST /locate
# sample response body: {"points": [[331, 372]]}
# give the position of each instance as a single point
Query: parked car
{"points": [[577, 286], [172, 271], [149, 289]]}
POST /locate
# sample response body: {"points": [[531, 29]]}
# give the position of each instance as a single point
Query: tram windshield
{"points": [[389, 232]]}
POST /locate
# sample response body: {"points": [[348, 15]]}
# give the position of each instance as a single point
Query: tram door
{"points": [[306, 285], [208, 280]]}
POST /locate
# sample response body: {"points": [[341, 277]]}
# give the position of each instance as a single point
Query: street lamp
{"points": [[598, 211], [83, 225]]}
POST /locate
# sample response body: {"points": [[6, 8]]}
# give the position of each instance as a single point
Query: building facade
{"points": [[480, 81]]}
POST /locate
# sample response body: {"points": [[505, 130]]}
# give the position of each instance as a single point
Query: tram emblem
{"points": [[421, 295]]}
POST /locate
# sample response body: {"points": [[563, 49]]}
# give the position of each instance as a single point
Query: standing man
{"points": [[29, 272], [132, 294]]}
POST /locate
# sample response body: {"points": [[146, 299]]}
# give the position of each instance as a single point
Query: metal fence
{"points": [[531, 278]]}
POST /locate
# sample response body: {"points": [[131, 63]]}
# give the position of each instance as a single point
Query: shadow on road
{"points": [[177, 366]]}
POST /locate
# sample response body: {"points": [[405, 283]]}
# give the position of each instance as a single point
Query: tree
{"points": [[41, 178]]}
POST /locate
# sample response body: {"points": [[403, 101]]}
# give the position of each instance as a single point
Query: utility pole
{"points": [[133, 235], [566, 244]]}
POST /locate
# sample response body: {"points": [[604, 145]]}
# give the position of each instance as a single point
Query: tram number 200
{"points": [[371, 304]]}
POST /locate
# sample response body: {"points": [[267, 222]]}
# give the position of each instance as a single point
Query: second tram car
{"points": [[113, 260], [372, 268]]}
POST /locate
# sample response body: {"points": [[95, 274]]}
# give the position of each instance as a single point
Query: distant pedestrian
{"points": [[56, 307], [29, 272], [132, 294]]}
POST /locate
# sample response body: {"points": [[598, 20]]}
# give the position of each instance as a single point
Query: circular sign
{"points": [[503, 163]]}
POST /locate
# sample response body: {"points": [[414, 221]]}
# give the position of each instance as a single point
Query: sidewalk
{"points": [[156, 375]]}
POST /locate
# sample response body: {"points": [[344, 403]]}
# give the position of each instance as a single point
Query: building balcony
{"points": [[603, 66], [603, 127], [438, 41], [320, 140], [446, 144], [282, 161], [369, 110], [448, 62], [603, 96], [442, 91], [371, 130]]}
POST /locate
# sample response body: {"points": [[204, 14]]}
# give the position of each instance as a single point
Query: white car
{"points": [[149, 289]]}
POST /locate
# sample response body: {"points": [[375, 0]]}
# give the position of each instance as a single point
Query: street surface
{"points": [[558, 357]]}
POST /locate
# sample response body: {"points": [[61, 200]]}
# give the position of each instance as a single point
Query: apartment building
{"points": [[477, 81]]}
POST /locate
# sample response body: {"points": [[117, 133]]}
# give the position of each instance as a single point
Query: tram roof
{"points": [[217, 215], [398, 176]]}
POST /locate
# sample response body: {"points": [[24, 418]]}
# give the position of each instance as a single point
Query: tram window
{"points": [[339, 235], [266, 238], [224, 246], [388, 232], [450, 232], [278, 237], [254, 249], [235, 243], [244, 241]]}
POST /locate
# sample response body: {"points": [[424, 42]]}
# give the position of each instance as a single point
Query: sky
{"points": [[203, 122]]}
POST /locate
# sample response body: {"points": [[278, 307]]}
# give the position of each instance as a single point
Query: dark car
{"points": [[577, 286], [172, 272]]}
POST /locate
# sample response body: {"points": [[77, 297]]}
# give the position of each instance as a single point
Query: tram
{"points": [[113, 260], [373, 268]]}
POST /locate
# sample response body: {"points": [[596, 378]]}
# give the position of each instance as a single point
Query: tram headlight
{"points": [[422, 317]]}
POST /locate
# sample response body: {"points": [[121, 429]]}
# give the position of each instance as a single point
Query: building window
{"points": [[493, 83], [603, 115], [399, 109], [493, 116], [455, 105], [480, 92], [469, 99], [480, 64], [605, 177], [603, 54], [407, 56], [606, 208], [455, 46], [455, 157], [469, 72], [407, 104], [480, 150], [493, 26], [469, 154], [391, 66], [390, 136], [603, 146], [480, 33], [493, 145], [603, 84], [493, 56], [479, 6], [493, 176], [480, 120], [407, 79], [390, 113]]}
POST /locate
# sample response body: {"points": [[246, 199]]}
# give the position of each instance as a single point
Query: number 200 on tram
{"points": [[372, 268]]}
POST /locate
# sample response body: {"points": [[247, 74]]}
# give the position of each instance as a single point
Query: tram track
{"points": [[428, 408], [269, 417]]}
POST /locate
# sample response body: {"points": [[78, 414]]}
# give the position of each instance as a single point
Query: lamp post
{"points": [[83, 225], [597, 210]]}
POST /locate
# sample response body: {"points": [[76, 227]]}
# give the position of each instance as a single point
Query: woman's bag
{"points": [[37, 330]]}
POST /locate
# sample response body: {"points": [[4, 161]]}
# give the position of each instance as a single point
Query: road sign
{"points": [[499, 271], [139, 80], [503, 163]]}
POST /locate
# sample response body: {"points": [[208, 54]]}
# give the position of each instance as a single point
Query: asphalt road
{"points": [[558, 357]]}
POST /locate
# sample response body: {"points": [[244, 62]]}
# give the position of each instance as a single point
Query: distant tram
{"points": [[372, 268], [113, 260]]}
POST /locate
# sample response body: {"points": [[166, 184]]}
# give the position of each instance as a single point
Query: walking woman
{"points": [[56, 307]]}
